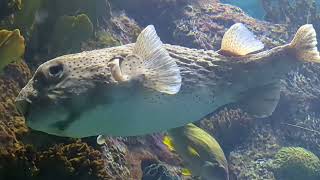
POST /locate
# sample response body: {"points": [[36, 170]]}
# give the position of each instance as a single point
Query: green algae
{"points": [[26, 17], [106, 39], [69, 32], [296, 163], [11, 47]]}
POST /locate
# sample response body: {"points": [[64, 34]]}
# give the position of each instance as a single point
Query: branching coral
{"points": [[296, 163], [73, 161]]}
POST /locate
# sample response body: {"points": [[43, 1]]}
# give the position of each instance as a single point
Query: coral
{"points": [[229, 126], [296, 163], [290, 12], [251, 159], [102, 39], [204, 27], [12, 127], [69, 32], [152, 169], [299, 106], [76, 161], [124, 28], [11, 47]]}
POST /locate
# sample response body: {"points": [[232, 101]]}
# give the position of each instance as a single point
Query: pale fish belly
{"points": [[147, 112]]}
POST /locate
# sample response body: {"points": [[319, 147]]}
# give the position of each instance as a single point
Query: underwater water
{"points": [[253, 8], [159, 89]]}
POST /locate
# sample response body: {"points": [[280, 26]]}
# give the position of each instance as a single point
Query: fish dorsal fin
{"points": [[152, 61], [193, 152], [261, 102], [239, 41], [168, 142], [186, 172]]}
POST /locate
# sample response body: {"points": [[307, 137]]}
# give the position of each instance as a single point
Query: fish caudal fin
{"points": [[239, 41], [151, 60], [305, 44]]}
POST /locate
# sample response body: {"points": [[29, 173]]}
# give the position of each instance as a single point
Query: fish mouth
{"points": [[23, 106]]}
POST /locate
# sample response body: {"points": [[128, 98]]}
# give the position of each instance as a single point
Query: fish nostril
{"points": [[56, 70]]}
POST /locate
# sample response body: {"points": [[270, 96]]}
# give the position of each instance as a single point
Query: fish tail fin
{"points": [[305, 44]]}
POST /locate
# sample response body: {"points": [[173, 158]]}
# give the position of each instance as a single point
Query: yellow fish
{"points": [[200, 152]]}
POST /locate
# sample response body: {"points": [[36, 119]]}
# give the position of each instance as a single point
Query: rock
{"points": [[153, 169]]}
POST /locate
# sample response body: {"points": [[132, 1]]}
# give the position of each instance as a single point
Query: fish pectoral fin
{"points": [[239, 41], [168, 142], [193, 152], [151, 63], [261, 102], [101, 139]]}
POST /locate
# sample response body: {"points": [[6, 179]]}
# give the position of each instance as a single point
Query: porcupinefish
{"points": [[148, 86], [200, 152]]}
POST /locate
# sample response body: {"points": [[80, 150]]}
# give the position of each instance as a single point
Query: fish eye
{"points": [[56, 70]]}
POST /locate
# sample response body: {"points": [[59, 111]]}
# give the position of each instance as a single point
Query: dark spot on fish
{"points": [[64, 124]]}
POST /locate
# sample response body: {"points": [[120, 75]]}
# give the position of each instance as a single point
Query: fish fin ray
{"points": [[305, 44], [152, 61], [239, 41], [261, 102]]}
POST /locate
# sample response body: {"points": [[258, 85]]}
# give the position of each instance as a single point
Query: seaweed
{"points": [[11, 47]]}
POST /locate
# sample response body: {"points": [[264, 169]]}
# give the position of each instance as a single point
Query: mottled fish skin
{"points": [[77, 95]]}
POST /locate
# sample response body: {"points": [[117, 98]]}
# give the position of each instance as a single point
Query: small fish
{"points": [[148, 86], [200, 152]]}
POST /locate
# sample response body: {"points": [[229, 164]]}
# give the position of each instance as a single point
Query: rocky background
{"points": [[253, 147]]}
